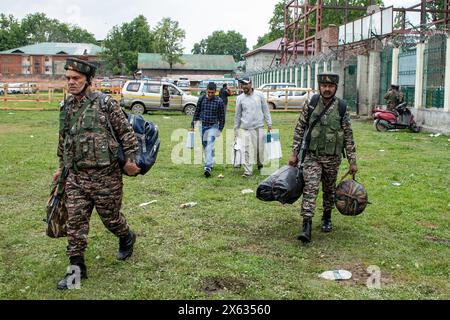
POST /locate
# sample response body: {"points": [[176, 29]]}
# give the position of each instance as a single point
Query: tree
{"points": [[11, 35], [168, 38], [39, 28], [219, 42], [124, 43]]}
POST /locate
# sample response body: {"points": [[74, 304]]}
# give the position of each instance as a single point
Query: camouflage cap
{"points": [[328, 77], [80, 66]]}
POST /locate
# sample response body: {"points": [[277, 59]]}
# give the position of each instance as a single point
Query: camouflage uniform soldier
{"points": [[394, 97], [323, 156], [86, 147]]}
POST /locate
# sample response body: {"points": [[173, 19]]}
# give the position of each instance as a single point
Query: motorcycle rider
{"points": [[394, 97]]}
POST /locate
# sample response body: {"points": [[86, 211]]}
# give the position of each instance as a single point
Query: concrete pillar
{"points": [[447, 79], [308, 83], [325, 67], [395, 53], [291, 79], [302, 76], [362, 85], [339, 68], [418, 101], [316, 84], [296, 76], [374, 78]]}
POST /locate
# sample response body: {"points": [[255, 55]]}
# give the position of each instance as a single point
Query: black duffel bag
{"points": [[285, 186]]}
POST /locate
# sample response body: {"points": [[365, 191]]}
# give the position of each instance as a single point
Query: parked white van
{"points": [[141, 96]]}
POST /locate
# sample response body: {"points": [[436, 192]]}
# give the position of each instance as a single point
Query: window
{"points": [[133, 87], [152, 88], [174, 92]]}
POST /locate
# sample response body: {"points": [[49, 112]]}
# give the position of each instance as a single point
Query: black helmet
{"points": [[328, 77], [81, 66], [351, 198]]}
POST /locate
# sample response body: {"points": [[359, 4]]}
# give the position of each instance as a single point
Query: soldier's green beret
{"points": [[328, 77], [80, 66]]}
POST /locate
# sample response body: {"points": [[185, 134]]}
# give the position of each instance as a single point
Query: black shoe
{"points": [[260, 166], [305, 235], [69, 280], [327, 226], [207, 173], [126, 245]]}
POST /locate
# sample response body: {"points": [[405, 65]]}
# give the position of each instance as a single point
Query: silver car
{"points": [[293, 98], [141, 96]]}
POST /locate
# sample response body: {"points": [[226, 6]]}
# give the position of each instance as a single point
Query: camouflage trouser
{"points": [[390, 106], [86, 190], [315, 170]]}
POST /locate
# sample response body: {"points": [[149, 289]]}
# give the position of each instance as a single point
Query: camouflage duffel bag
{"points": [[351, 197]]}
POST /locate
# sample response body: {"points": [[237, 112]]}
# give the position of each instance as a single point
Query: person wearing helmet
{"points": [[324, 146], [88, 152], [394, 97]]}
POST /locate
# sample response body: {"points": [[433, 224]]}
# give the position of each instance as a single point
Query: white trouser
{"points": [[253, 148]]}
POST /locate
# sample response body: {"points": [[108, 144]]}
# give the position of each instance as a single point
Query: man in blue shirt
{"points": [[211, 112]]}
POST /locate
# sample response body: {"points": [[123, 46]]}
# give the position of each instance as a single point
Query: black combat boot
{"points": [[70, 277], [126, 246], [327, 227], [305, 235]]}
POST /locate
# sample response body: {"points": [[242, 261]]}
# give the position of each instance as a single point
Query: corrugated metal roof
{"points": [[274, 46], [191, 62], [54, 48]]}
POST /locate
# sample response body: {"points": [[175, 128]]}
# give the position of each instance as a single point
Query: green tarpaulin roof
{"points": [[191, 62], [54, 48]]}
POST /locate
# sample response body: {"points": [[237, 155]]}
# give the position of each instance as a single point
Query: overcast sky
{"points": [[199, 18]]}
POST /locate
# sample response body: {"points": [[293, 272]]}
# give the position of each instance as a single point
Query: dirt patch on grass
{"points": [[427, 225], [361, 275], [437, 240], [214, 286], [8, 129]]}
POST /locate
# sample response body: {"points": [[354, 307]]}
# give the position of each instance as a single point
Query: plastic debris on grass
{"points": [[435, 135], [147, 203], [396, 184], [188, 205], [247, 191], [336, 275]]}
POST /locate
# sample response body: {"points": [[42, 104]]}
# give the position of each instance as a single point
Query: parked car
{"points": [[183, 83], [295, 99], [141, 96], [272, 87], [105, 87]]}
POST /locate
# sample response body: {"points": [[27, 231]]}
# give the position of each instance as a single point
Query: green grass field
{"points": [[231, 246]]}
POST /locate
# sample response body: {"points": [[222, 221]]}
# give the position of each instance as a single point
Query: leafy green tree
{"points": [[124, 43], [38, 27], [226, 43], [168, 41], [11, 35]]}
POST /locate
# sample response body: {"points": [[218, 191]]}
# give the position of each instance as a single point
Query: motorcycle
{"points": [[401, 118]]}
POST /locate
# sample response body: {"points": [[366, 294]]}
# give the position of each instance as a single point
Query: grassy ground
{"points": [[231, 246]]}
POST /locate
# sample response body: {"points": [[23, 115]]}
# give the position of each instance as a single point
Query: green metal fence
{"points": [[407, 63], [350, 81], [385, 73], [434, 72]]}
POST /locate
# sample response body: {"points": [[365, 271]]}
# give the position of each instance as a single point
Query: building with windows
{"points": [[46, 58]]}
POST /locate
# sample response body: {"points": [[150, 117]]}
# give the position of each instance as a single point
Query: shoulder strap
{"points": [[77, 115], [313, 103], [200, 100], [342, 108]]}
